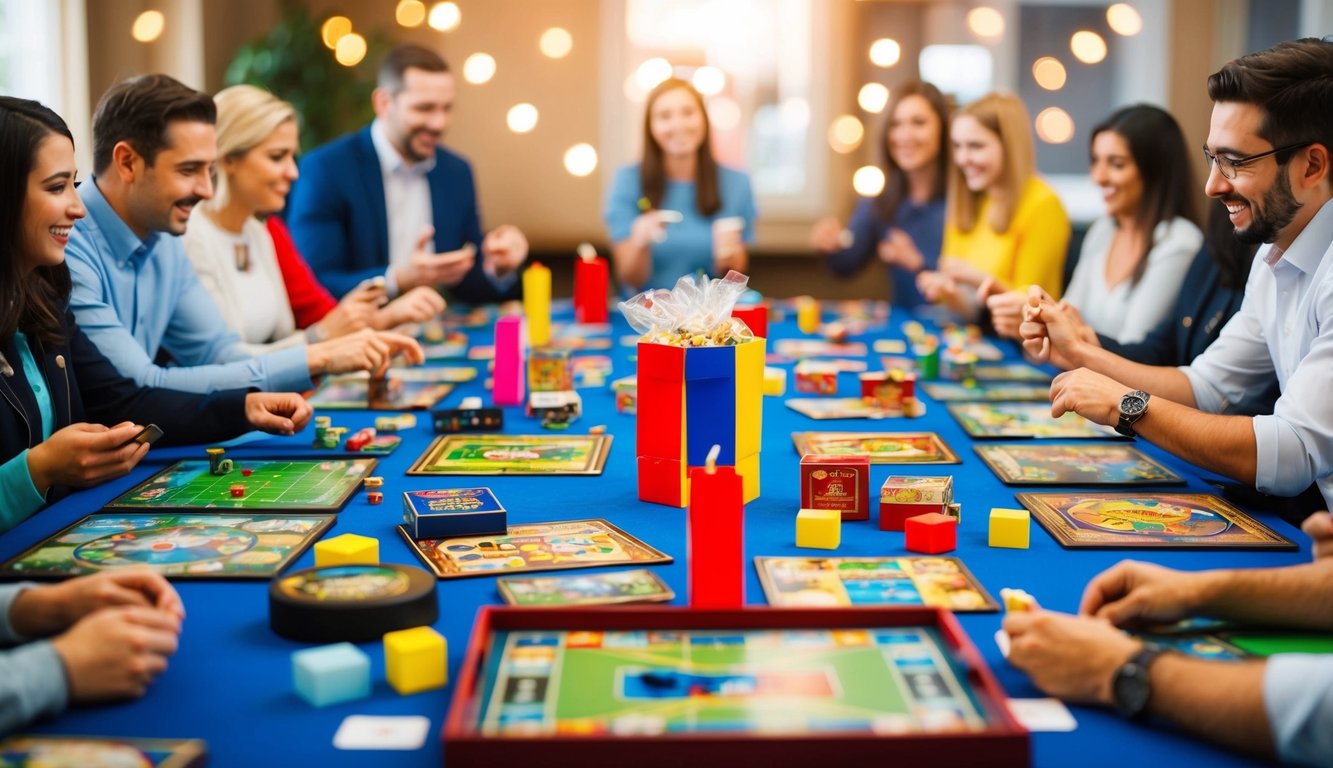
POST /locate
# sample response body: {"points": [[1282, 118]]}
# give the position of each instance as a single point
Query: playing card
{"points": [[372, 732], [1043, 715]]}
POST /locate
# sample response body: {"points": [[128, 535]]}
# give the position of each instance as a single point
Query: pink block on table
{"points": [[510, 372]]}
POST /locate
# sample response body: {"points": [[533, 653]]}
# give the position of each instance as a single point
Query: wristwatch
{"points": [[1130, 688], [1132, 407]]}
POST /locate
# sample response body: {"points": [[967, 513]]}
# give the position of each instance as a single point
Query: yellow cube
{"points": [[347, 549], [819, 528], [775, 381], [414, 660], [1009, 528]]}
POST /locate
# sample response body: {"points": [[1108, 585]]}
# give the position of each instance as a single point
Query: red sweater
{"points": [[310, 301]]}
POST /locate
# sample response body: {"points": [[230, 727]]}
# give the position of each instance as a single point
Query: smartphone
{"points": [[148, 435]]}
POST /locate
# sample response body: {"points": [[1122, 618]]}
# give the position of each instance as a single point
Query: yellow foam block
{"points": [[414, 660], [775, 381], [1009, 528], [819, 528], [347, 549], [748, 469]]}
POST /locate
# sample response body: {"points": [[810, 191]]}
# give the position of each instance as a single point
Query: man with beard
{"points": [[1268, 147], [389, 201]]}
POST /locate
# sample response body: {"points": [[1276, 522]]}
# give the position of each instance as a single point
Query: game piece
{"points": [[247, 472], [323, 421], [755, 317], [817, 377], [347, 549], [955, 510], [775, 381], [807, 314], [331, 674], [537, 303], [627, 394], [902, 497], [147, 436], [453, 512], [557, 410], [237, 490], [550, 370], [957, 364], [533, 547], [931, 533], [414, 660], [356, 603], [467, 419], [836, 332], [894, 391], [1017, 600], [597, 429], [509, 373], [375, 497], [927, 358], [828, 582], [819, 528], [361, 439], [715, 534], [217, 465], [636, 586], [1009, 528], [836, 482], [378, 390], [374, 482], [591, 279]]}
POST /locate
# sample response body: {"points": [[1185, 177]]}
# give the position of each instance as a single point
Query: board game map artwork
{"points": [[533, 547], [1040, 463], [293, 485], [514, 455], [1010, 372], [821, 408], [410, 389], [205, 545], [815, 582], [986, 391], [637, 586], [988, 420], [1149, 521], [881, 447], [100, 752], [798, 349], [1221, 641]]}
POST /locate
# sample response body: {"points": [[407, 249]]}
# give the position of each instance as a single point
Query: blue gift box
{"points": [[453, 512]]}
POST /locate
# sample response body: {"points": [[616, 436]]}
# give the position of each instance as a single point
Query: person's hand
{"points": [[1054, 333], [362, 351], [826, 236], [416, 306], [936, 287], [899, 250], [649, 227], [425, 267], [1089, 394], [278, 413], [355, 311], [116, 652], [1133, 594], [503, 250], [1319, 527], [52, 608], [1006, 307], [1072, 657], [963, 272], [85, 454]]}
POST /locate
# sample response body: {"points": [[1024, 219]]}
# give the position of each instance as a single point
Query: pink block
{"points": [[510, 371]]}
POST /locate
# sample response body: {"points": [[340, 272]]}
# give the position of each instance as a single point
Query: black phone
{"points": [[149, 435]]}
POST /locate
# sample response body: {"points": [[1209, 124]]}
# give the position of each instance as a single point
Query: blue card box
{"points": [[453, 512]]}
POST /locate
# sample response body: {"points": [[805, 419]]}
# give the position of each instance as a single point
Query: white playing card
{"points": [[372, 732], [1002, 641], [1043, 715]]}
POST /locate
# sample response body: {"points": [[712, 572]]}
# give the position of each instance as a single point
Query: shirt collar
{"points": [[124, 244], [390, 161], [1308, 249]]}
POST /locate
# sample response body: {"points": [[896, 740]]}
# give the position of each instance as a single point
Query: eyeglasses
{"points": [[1227, 166]]}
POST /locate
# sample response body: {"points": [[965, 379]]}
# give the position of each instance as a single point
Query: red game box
{"points": [[661, 686], [836, 482]]}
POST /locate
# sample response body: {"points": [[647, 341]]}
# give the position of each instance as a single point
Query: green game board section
{"points": [[291, 485], [1268, 644]]}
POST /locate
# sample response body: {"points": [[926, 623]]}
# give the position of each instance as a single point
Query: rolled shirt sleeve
{"points": [[1298, 697], [32, 676]]}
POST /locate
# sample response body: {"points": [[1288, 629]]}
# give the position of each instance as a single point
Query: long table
{"points": [[230, 683]]}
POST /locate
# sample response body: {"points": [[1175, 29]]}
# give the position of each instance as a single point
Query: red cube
{"points": [[931, 533], [237, 491], [377, 497]]}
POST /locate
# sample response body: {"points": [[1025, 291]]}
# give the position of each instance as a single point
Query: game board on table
{"points": [[1221, 641], [22, 751], [813, 582], [881, 447], [1040, 463], [294, 485], [533, 547], [408, 390], [663, 686], [986, 391], [1142, 520], [988, 420], [197, 545], [514, 455]]}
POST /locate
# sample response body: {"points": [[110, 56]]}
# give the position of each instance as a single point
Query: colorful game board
{"points": [[440, 341], [881, 447], [1149, 521], [100, 752], [1010, 372], [514, 455], [295, 485], [533, 547], [814, 582], [637, 586], [821, 408], [209, 546], [1083, 464], [798, 349], [987, 391], [988, 420], [410, 389], [1220, 641]]}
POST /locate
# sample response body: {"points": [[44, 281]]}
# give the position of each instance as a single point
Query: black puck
{"points": [[352, 603]]}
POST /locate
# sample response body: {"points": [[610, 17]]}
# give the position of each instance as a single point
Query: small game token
{"points": [[238, 490], [323, 421], [247, 472], [215, 460], [375, 497], [374, 481], [600, 429]]}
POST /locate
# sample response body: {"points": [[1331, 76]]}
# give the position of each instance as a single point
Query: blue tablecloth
{"points": [[230, 684]]}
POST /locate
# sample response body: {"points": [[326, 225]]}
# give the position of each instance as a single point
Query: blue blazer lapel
{"points": [[368, 170]]}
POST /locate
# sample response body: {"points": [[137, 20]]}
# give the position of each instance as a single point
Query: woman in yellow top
{"points": [[1004, 228]]}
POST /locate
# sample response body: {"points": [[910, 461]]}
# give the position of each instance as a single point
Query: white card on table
{"points": [[1043, 715], [373, 732]]}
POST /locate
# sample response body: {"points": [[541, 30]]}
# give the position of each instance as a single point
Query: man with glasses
{"points": [[1269, 148]]}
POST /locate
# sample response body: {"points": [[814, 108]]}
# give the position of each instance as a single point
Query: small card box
{"points": [[902, 497], [453, 512], [836, 482]]}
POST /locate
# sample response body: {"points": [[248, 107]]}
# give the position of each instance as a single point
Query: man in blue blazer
{"points": [[389, 200]]}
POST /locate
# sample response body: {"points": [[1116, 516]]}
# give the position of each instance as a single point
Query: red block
{"points": [[931, 533], [892, 516], [716, 539], [237, 491], [661, 481], [756, 317]]}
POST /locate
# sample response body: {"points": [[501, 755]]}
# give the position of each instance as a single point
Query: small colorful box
{"points": [[817, 377], [550, 370], [453, 512], [450, 420], [902, 497], [775, 381], [818, 528], [890, 390], [627, 394], [836, 482]]}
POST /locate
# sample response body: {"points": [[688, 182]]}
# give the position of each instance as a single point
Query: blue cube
{"points": [[331, 674], [453, 512]]}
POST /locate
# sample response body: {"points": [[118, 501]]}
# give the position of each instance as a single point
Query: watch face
{"points": [[1132, 405], [1131, 689]]}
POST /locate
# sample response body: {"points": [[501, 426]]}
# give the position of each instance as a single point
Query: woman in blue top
{"points": [[904, 226], [678, 211]]}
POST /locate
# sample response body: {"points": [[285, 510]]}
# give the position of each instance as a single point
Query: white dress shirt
{"points": [[407, 201]]}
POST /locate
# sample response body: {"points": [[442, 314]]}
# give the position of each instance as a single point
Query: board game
{"points": [[881, 447], [990, 420], [798, 349], [637, 586], [814, 582], [205, 545], [820, 408], [673, 687], [533, 547], [410, 389], [987, 391], [1040, 463], [294, 485], [514, 455], [1149, 521], [100, 752], [1221, 641], [1010, 372]]}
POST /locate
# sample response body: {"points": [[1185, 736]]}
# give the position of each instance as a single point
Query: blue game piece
{"points": [[331, 674]]}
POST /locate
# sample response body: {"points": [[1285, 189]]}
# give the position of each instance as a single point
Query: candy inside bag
{"points": [[696, 313]]}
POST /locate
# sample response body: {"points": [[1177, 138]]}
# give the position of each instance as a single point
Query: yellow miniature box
{"points": [[1009, 528], [414, 660], [775, 381], [347, 549], [819, 528]]}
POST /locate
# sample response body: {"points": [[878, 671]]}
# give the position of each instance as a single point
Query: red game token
{"points": [[375, 497], [246, 472], [238, 490]]}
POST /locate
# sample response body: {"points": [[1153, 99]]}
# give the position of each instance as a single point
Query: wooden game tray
{"points": [[993, 738]]}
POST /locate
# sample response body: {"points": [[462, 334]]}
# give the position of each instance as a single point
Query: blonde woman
{"points": [[1004, 229]]}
